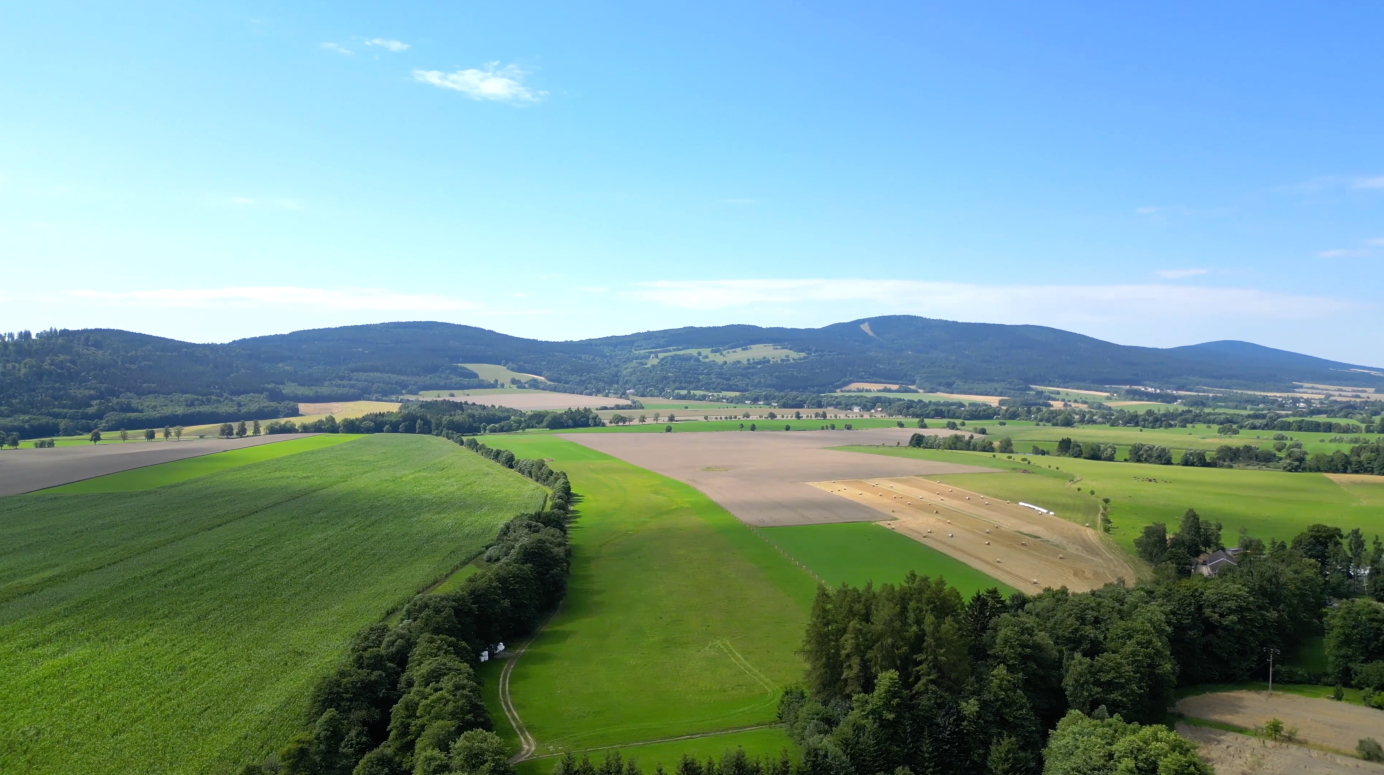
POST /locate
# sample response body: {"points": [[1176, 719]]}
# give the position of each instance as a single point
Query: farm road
{"points": [[26, 470], [762, 478]]}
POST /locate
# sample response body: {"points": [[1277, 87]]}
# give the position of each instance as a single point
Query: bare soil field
{"points": [[26, 470], [1235, 754], [1019, 546], [534, 400], [869, 386], [1336, 725], [763, 478]]}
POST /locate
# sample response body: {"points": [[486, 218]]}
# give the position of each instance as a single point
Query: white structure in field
{"points": [[1038, 509]]}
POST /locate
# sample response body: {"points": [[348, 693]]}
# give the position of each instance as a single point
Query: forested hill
{"points": [[121, 378]]}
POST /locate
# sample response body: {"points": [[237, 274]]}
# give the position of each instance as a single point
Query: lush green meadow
{"points": [[756, 743], [1270, 504], [740, 355], [164, 474], [492, 372], [678, 618], [857, 553], [180, 629]]}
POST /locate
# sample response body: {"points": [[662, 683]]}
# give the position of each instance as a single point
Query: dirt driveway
{"points": [[26, 470], [1327, 723], [763, 478], [1019, 546]]}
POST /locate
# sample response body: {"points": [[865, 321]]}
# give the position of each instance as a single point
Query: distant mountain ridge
{"points": [[86, 375]]}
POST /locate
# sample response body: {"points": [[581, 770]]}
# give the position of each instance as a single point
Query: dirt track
{"points": [[1235, 754], [1019, 546], [26, 470], [1327, 723], [762, 477]]}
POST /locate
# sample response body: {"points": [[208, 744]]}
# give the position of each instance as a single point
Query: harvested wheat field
{"points": [[1022, 547], [763, 478], [1235, 754], [537, 400], [1327, 723]]}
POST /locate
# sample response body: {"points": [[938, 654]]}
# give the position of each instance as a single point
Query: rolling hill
{"points": [[124, 379]]}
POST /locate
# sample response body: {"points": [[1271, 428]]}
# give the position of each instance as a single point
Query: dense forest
{"points": [[109, 379]]}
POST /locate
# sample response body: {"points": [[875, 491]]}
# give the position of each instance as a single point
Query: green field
{"points": [[164, 474], [756, 743], [763, 426], [1270, 504], [492, 372], [180, 629], [678, 619], [856, 553]]}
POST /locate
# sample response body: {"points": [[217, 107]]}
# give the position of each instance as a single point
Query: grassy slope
{"points": [[678, 618], [164, 474], [858, 552], [1271, 504], [180, 629], [757, 743]]}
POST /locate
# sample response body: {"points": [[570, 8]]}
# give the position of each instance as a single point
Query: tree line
{"points": [[407, 698], [442, 417]]}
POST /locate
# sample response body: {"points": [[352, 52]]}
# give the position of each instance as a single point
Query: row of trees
{"points": [[442, 417], [407, 699]]}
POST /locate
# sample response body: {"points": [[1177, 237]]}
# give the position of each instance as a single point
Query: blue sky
{"points": [[1159, 174]]}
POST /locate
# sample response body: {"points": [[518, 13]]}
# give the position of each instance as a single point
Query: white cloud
{"points": [[385, 43], [240, 200], [1064, 306], [1342, 253], [338, 48], [1146, 210], [500, 84], [334, 299], [1376, 241], [1178, 274], [1375, 183]]}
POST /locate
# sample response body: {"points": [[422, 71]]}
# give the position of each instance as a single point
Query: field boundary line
{"points": [[695, 736], [527, 745], [781, 551]]}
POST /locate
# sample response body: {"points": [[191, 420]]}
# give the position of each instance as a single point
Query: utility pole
{"points": [[1272, 651]]}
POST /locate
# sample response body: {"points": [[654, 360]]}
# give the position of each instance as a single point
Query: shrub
{"points": [[1370, 750]]}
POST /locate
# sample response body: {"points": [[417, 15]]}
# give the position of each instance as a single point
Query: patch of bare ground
{"points": [[1235, 754], [1335, 725], [1017, 545], [763, 478]]}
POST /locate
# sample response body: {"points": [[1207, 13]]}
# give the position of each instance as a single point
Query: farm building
{"points": [[1210, 564]]}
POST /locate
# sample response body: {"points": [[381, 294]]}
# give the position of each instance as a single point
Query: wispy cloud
{"points": [[374, 299], [390, 45], [1072, 305], [338, 48], [493, 82], [740, 201], [241, 200], [1375, 182], [1146, 210], [1178, 274], [1376, 241], [1343, 253]]}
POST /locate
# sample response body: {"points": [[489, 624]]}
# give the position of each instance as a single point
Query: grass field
{"points": [[763, 426], [678, 618], [1270, 504], [756, 743], [164, 474], [492, 372], [180, 629], [856, 553]]}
